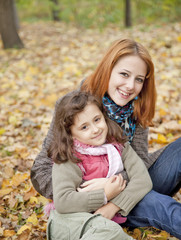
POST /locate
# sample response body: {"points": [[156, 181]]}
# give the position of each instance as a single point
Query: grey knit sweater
{"points": [[41, 172]]}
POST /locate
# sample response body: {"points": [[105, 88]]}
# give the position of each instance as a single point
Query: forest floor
{"points": [[55, 59]]}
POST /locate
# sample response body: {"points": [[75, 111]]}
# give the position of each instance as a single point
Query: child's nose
{"points": [[94, 128]]}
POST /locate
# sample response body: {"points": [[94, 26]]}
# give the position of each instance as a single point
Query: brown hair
{"points": [[98, 82], [61, 149]]}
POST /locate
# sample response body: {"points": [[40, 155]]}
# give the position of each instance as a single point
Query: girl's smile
{"points": [[89, 126]]}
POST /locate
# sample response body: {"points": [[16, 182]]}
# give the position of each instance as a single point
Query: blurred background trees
{"points": [[100, 13], [84, 13]]}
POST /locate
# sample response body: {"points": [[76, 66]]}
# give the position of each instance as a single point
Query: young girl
{"points": [[87, 145]]}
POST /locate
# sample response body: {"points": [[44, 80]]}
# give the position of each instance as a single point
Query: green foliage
{"points": [[100, 13], [155, 11], [33, 10], [92, 13]]}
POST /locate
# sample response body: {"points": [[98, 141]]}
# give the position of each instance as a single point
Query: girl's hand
{"points": [[108, 211], [114, 186], [94, 184]]}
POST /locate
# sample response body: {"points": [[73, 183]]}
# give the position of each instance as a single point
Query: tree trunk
{"points": [[128, 13], [8, 28], [16, 19], [55, 11]]}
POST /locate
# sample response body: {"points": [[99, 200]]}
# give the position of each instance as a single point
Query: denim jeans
{"points": [[158, 208]]}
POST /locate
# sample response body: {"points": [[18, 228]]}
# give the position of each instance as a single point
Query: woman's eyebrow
{"points": [[130, 72]]}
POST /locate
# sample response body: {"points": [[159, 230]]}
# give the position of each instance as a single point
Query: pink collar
{"points": [[113, 150]]}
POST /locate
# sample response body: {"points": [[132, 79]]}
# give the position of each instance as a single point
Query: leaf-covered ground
{"points": [[56, 58]]}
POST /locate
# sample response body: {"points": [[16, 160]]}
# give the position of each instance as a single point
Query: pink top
{"points": [[97, 166], [93, 166], [99, 161]]}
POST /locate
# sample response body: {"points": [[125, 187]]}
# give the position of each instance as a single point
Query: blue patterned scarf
{"points": [[121, 115]]}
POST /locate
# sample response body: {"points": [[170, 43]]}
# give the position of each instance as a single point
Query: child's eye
{"points": [[124, 74], [140, 80], [97, 119], [84, 127]]}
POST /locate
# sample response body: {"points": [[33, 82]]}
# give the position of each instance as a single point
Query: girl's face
{"points": [[90, 126], [127, 78]]}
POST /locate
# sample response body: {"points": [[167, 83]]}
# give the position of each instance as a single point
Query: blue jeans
{"points": [[157, 208]]}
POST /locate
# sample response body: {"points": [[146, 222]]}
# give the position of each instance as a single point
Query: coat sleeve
{"points": [[140, 145], [41, 171], [66, 178], [139, 185]]}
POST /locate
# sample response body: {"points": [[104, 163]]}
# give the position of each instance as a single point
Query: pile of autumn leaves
{"points": [[55, 60]]}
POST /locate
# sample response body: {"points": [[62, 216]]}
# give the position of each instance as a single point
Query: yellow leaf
{"points": [[28, 78], [2, 131], [60, 74], [7, 84], [176, 59], [179, 38], [161, 138], [19, 178], [164, 234], [22, 151], [24, 94], [49, 100], [2, 100], [78, 73], [32, 219], [6, 183], [33, 70], [9, 233], [67, 59], [43, 200], [23, 228], [162, 112], [5, 191], [179, 122], [13, 120], [169, 135], [22, 64], [164, 54], [33, 200]]}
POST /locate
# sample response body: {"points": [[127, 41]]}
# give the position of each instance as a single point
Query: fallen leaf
{"points": [[9, 233], [5, 191], [161, 138], [33, 200], [24, 228], [19, 178], [32, 219], [31, 193]]}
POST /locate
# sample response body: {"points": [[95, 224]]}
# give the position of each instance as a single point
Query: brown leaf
{"points": [[9, 233], [5, 191], [19, 178], [31, 193]]}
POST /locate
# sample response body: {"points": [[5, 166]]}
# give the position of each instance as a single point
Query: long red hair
{"points": [[97, 83]]}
